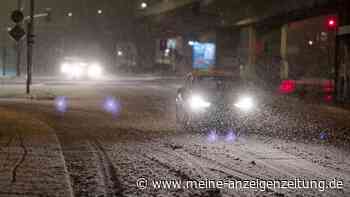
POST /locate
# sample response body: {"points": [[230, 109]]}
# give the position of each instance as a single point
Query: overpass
{"points": [[249, 16]]}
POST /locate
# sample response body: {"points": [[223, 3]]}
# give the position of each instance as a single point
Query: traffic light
{"points": [[332, 23], [17, 16]]}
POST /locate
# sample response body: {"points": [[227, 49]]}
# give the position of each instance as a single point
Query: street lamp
{"points": [[70, 14], [311, 42], [99, 12], [144, 5]]}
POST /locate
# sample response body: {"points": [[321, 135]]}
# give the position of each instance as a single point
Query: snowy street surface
{"points": [[120, 139]]}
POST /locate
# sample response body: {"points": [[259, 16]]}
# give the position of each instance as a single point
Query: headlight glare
{"points": [[95, 71], [245, 103], [65, 68], [77, 71], [197, 102]]}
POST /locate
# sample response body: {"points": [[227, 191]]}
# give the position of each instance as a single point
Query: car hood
{"points": [[219, 96]]}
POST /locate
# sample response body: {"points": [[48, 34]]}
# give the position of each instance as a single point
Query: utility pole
{"points": [[30, 42], [18, 45]]}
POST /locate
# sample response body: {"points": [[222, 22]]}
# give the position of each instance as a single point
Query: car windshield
{"points": [[178, 98], [214, 83]]}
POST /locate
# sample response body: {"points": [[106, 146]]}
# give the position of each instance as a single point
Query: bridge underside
{"points": [[254, 22]]}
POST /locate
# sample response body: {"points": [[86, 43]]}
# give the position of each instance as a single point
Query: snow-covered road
{"points": [[113, 136]]}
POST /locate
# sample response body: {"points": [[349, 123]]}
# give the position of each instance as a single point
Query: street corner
{"points": [[31, 161]]}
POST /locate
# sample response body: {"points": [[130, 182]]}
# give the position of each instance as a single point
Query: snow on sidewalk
{"points": [[31, 160]]}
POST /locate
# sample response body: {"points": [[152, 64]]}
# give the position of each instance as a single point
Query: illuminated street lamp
{"points": [[311, 42], [99, 12], [144, 5], [70, 14]]}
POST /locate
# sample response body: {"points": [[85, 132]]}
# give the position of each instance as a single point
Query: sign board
{"points": [[204, 55], [344, 30], [17, 33]]}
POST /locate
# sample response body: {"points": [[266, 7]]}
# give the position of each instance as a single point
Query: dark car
{"points": [[211, 99]]}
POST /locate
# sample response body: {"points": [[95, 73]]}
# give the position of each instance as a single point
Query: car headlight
{"points": [[196, 102], [94, 71], [77, 71], [245, 103], [65, 68]]}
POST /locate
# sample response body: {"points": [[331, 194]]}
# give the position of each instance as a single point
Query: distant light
{"points": [[213, 136], [331, 22], [65, 68], [9, 29], [99, 11], [95, 71], [166, 52], [287, 87], [191, 43], [120, 53], [77, 71], [144, 5], [111, 105], [311, 42], [61, 104], [196, 103], [70, 14], [245, 103], [231, 136]]}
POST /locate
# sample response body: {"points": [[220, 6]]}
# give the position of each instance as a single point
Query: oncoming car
{"points": [[75, 68], [211, 99]]}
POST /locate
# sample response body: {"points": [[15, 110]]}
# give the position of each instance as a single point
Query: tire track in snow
{"points": [[113, 186], [183, 175], [273, 168], [204, 168]]}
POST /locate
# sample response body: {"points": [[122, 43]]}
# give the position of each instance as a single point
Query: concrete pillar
{"points": [[284, 53], [342, 53]]}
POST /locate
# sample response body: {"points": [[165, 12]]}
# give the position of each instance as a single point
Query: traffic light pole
{"points": [[18, 46], [18, 61], [30, 42]]}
